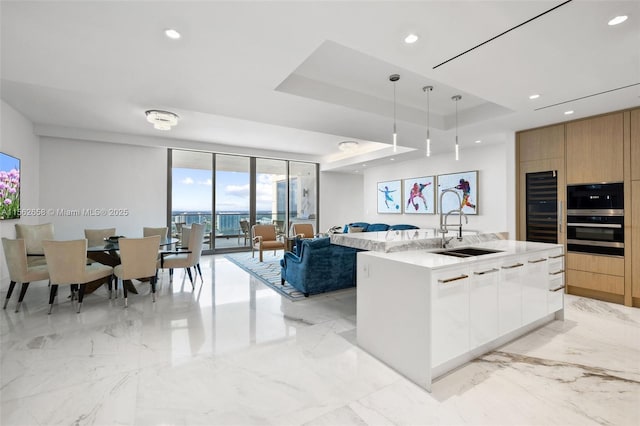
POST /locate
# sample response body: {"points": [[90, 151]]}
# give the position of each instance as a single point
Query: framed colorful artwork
{"points": [[389, 197], [419, 195], [9, 187], [465, 186]]}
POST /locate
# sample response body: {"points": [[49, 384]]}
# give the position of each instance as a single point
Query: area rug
{"points": [[267, 271]]}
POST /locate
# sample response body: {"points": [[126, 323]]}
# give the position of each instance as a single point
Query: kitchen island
{"points": [[424, 313]]}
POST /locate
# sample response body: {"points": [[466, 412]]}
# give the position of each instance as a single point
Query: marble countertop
{"points": [[414, 239], [429, 259]]}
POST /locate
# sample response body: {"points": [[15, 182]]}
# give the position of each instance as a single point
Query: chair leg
{"points": [[200, 272], [170, 275], [190, 276], [12, 284], [124, 290], [52, 296], [153, 288], [81, 296], [74, 290], [23, 291], [110, 286], [260, 255]]}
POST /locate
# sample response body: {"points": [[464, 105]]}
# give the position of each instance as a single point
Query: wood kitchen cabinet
{"points": [[541, 150], [594, 149]]}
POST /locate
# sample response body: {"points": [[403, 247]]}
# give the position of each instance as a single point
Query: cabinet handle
{"points": [[556, 272], [448, 280], [556, 256], [517, 265], [488, 271], [538, 260], [553, 290]]}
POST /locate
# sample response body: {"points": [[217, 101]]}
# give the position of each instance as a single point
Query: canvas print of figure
{"points": [[465, 185], [389, 197], [418, 195]]}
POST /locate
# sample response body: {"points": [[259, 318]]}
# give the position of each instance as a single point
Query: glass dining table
{"points": [[107, 254]]}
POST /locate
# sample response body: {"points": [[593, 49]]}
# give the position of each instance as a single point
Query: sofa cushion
{"points": [[377, 227]]}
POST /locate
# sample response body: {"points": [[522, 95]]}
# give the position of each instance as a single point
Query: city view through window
{"points": [[193, 196]]}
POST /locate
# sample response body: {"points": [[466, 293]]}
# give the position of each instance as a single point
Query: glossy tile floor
{"points": [[235, 352]]}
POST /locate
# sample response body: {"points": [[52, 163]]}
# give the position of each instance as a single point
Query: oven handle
{"points": [[595, 243], [595, 225]]}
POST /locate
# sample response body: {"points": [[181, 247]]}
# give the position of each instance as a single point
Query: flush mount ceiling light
{"points": [[393, 78], [534, 96], [347, 145], [428, 89], [456, 98], [411, 38], [618, 20], [162, 120], [568, 112], [172, 33]]}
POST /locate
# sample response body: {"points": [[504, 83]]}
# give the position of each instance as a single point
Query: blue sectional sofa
{"points": [[319, 267]]}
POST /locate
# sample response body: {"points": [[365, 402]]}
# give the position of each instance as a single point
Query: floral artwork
{"points": [[389, 197], [465, 185], [9, 187], [418, 195]]}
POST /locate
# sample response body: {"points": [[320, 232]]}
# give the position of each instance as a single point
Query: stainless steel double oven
{"points": [[595, 218]]}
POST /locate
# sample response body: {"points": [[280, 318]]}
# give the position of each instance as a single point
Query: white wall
{"points": [[495, 193], [341, 199], [77, 175], [17, 139]]}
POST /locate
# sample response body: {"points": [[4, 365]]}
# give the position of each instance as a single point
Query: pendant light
{"points": [[456, 98], [428, 89], [393, 78]]}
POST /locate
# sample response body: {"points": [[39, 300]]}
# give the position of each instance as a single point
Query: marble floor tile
{"points": [[234, 352]]}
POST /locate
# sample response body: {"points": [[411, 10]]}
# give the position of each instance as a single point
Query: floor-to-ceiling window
{"points": [[191, 192], [229, 193], [271, 193], [232, 201]]}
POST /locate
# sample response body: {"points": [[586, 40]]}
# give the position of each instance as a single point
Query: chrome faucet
{"points": [[444, 226]]}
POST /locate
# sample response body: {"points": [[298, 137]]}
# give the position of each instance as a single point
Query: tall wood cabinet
{"points": [[604, 148], [595, 149]]}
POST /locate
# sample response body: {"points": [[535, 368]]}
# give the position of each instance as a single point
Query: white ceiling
{"points": [[301, 76]]}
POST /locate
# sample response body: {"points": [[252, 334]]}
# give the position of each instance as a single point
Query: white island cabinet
{"points": [[424, 313]]}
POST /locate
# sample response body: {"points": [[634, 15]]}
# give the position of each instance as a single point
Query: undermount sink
{"points": [[467, 252]]}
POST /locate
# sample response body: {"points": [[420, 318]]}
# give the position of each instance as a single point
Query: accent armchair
{"points": [[265, 237], [319, 267]]}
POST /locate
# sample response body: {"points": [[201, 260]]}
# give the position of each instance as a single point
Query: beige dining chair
{"points": [[33, 235], [67, 263], [186, 258], [139, 260], [15, 253], [162, 232], [95, 237], [265, 237]]}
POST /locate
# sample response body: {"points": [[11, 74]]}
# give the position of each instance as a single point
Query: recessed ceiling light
{"points": [[534, 96], [364, 165], [411, 38], [478, 141], [618, 20], [393, 159], [172, 34], [347, 145], [568, 112]]}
